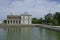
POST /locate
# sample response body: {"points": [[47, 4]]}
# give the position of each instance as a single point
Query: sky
{"points": [[38, 8]]}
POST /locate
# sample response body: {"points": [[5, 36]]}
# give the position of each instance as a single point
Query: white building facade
{"points": [[25, 18]]}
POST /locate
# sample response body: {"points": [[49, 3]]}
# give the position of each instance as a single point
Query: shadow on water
{"points": [[28, 33]]}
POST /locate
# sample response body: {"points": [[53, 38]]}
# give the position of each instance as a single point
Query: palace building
{"points": [[24, 18]]}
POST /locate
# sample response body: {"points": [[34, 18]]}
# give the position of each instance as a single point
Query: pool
{"points": [[28, 33]]}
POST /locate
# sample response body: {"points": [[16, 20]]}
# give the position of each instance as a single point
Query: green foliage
{"points": [[49, 19], [40, 21], [5, 21], [57, 17], [34, 20], [55, 22], [37, 21]]}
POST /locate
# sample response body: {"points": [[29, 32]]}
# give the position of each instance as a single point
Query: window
{"points": [[11, 21], [8, 21], [14, 21]]}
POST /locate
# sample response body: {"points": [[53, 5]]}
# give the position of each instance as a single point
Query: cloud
{"points": [[38, 8]]}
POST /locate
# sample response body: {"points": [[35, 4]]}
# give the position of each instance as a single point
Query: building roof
{"points": [[13, 17], [26, 14], [18, 16]]}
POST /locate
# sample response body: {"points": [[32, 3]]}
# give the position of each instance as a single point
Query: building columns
{"points": [[7, 21], [13, 22]]}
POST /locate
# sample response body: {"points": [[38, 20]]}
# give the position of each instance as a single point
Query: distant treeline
{"points": [[50, 19]]}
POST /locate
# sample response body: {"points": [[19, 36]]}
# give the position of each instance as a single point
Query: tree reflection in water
{"points": [[28, 33]]}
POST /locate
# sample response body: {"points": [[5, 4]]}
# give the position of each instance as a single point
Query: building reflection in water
{"points": [[28, 33], [16, 33], [3, 34]]}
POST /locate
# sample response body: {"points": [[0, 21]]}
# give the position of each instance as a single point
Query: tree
{"points": [[55, 22], [5, 21], [40, 21], [37, 21], [34, 20], [57, 17], [48, 18]]}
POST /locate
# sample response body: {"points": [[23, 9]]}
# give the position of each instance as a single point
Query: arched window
{"points": [[14, 21], [8, 21], [11, 21], [19, 21]]}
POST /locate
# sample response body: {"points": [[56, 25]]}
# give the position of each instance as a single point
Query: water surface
{"points": [[28, 33]]}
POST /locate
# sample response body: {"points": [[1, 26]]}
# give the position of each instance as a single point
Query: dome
{"points": [[26, 14]]}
